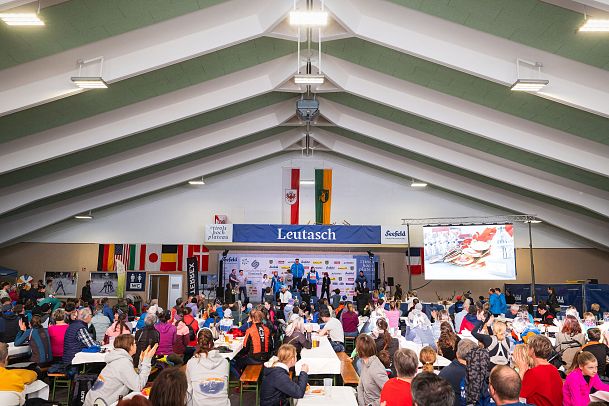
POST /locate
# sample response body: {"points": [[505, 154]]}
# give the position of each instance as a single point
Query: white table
{"points": [[236, 346], [313, 326], [13, 350], [37, 389], [339, 395], [321, 360], [91, 357]]}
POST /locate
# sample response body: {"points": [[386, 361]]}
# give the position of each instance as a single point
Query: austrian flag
{"points": [[290, 195]]}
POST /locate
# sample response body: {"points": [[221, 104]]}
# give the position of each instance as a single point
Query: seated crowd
{"points": [[495, 353]]}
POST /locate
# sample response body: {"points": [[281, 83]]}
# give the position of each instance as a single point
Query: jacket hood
{"points": [[182, 329], [472, 318], [118, 354], [9, 316], [164, 328], [270, 371], [212, 361]]}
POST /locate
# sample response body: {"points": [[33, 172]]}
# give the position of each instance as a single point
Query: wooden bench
{"points": [[347, 371], [249, 381]]}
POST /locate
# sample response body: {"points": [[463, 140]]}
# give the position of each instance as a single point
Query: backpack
{"points": [[82, 385], [499, 358], [191, 331]]}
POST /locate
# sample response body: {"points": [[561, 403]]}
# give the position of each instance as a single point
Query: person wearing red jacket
{"points": [[257, 344], [190, 322]]}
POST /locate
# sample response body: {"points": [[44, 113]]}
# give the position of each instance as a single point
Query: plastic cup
{"points": [[226, 338], [327, 386]]}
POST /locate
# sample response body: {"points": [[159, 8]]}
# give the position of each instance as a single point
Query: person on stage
{"points": [[242, 280], [360, 282], [233, 279], [312, 278], [266, 283], [325, 286], [297, 270]]}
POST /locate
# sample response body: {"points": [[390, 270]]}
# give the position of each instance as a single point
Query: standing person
{"points": [[285, 296], [313, 278], [372, 374], [233, 280], [207, 373], [396, 391], [335, 298], [333, 329], [118, 378], [509, 298], [325, 286], [242, 286], [582, 379], [428, 389], [77, 336], [266, 283], [297, 270], [552, 302], [502, 301], [276, 285], [361, 283], [167, 332], [277, 386], [494, 302], [504, 386], [541, 385], [86, 295]]}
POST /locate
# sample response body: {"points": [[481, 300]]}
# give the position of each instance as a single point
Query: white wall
{"points": [[252, 194]]}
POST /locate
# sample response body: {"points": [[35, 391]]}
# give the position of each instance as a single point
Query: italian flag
{"points": [[290, 195], [323, 195]]}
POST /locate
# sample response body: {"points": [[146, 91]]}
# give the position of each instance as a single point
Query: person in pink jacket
{"points": [[584, 377]]}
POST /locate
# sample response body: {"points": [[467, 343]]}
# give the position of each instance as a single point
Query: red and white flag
{"points": [[290, 195], [201, 252]]}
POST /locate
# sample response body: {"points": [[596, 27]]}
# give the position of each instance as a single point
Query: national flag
{"points": [[323, 195], [150, 256], [122, 254], [172, 257], [290, 190], [201, 252], [417, 263], [105, 258]]}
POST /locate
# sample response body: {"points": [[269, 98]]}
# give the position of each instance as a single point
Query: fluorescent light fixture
{"points": [[309, 79], [307, 182], [89, 82], [529, 85], [533, 221], [21, 19], [87, 216], [595, 25], [196, 181], [416, 183], [309, 18]]}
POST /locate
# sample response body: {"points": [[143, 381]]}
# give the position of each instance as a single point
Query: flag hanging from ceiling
{"points": [[417, 263], [105, 258], [172, 257], [201, 252], [151, 254], [291, 195], [323, 195]]}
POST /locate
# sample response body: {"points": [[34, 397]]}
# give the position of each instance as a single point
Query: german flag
{"points": [[105, 258], [323, 195], [172, 257]]}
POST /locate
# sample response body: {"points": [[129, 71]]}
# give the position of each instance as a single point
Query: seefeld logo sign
{"points": [[394, 234], [219, 233]]}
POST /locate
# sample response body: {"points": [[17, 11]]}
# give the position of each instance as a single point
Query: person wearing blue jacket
{"points": [[297, 271], [502, 302], [277, 387], [494, 303], [108, 310], [312, 278], [38, 339]]}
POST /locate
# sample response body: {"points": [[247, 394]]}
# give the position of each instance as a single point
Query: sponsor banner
{"points": [[566, 293], [394, 234], [219, 233], [299, 234], [192, 266], [136, 281]]}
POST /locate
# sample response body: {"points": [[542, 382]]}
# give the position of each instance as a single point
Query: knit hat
{"points": [[418, 306]]}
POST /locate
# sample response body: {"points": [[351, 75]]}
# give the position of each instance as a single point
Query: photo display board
{"points": [[61, 284], [472, 252], [104, 284]]}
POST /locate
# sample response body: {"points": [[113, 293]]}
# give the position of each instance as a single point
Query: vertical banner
{"points": [[291, 195], [323, 195], [122, 278], [192, 267]]}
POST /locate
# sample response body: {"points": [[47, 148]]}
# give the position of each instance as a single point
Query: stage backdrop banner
{"points": [[597, 294], [342, 270], [62, 284], [566, 293], [136, 281], [104, 284]]}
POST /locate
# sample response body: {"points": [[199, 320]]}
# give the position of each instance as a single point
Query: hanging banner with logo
{"points": [[136, 281], [192, 266]]}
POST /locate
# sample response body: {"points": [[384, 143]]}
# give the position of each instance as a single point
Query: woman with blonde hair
{"points": [[521, 351], [495, 342], [295, 334], [207, 373], [428, 357], [277, 386]]}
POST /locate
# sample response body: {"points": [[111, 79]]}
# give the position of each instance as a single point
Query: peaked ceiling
{"points": [[418, 88]]}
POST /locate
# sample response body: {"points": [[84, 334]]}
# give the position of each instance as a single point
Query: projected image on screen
{"points": [[480, 252]]}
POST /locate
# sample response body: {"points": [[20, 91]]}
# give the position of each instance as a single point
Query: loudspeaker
{"points": [[390, 281], [219, 292]]}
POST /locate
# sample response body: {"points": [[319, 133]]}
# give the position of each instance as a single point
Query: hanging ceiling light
{"points": [[23, 19], [528, 84], [86, 216], [308, 79], [90, 82], [197, 181], [595, 25], [417, 183]]}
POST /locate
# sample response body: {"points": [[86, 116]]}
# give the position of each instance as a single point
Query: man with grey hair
{"points": [[146, 337], [513, 311], [77, 336], [454, 373]]}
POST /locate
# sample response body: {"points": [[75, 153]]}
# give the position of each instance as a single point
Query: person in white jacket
{"points": [[118, 378], [207, 373]]}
